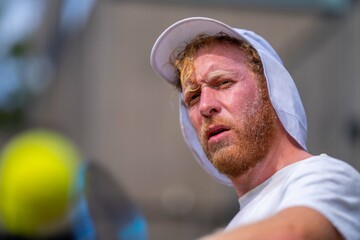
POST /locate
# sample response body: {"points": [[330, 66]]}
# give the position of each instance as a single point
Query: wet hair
{"points": [[183, 61]]}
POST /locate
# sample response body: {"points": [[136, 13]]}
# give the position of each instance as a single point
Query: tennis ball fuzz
{"points": [[38, 171]]}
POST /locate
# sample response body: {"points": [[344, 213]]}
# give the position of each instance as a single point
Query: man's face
{"points": [[234, 122]]}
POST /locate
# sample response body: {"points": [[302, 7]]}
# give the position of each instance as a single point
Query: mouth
{"points": [[215, 131]]}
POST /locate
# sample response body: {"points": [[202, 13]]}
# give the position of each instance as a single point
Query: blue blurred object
{"points": [[134, 230], [105, 211], [83, 227]]}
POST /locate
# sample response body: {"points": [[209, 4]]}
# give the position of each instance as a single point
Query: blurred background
{"points": [[82, 67]]}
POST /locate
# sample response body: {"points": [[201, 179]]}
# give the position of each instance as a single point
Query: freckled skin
{"points": [[231, 100]]}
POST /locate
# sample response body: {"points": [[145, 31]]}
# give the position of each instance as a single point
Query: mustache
{"points": [[213, 121]]}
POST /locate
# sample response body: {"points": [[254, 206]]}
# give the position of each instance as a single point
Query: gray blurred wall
{"points": [[109, 100]]}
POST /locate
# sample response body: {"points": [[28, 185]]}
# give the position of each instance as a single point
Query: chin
{"points": [[234, 162]]}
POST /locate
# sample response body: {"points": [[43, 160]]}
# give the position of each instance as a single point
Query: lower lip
{"points": [[218, 137]]}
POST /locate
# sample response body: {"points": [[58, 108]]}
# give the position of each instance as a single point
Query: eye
{"points": [[192, 99], [224, 83]]}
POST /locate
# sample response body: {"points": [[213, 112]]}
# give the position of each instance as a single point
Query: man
{"points": [[243, 119]]}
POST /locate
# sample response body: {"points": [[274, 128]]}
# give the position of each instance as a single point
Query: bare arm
{"points": [[294, 223]]}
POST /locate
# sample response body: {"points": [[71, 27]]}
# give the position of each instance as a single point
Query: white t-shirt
{"points": [[328, 185]]}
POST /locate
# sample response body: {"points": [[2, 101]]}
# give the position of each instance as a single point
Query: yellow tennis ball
{"points": [[38, 174]]}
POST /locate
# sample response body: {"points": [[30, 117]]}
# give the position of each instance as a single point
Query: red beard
{"points": [[237, 155]]}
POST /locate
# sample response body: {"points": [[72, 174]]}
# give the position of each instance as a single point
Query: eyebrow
{"points": [[192, 87]]}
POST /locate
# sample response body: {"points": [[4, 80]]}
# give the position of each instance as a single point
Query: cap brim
{"points": [[175, 38]]}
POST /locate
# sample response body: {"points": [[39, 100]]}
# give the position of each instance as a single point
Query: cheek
{"points": [[195, 120], [241, 101]]}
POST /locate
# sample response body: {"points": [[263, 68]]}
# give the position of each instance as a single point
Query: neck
{"points": [[284, 151]]}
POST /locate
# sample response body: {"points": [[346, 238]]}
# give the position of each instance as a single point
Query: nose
{"points": [[209, 105]]}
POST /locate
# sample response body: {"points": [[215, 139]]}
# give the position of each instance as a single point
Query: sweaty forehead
{"points": [[214, 62], [219, 48], [219, 57]]}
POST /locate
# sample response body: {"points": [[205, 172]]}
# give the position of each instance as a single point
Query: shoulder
{"points": [[323, 176], [326, 168], [329, 186]]}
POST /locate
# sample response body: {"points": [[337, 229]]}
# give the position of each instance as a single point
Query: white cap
{"points": [[282, 90]]}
